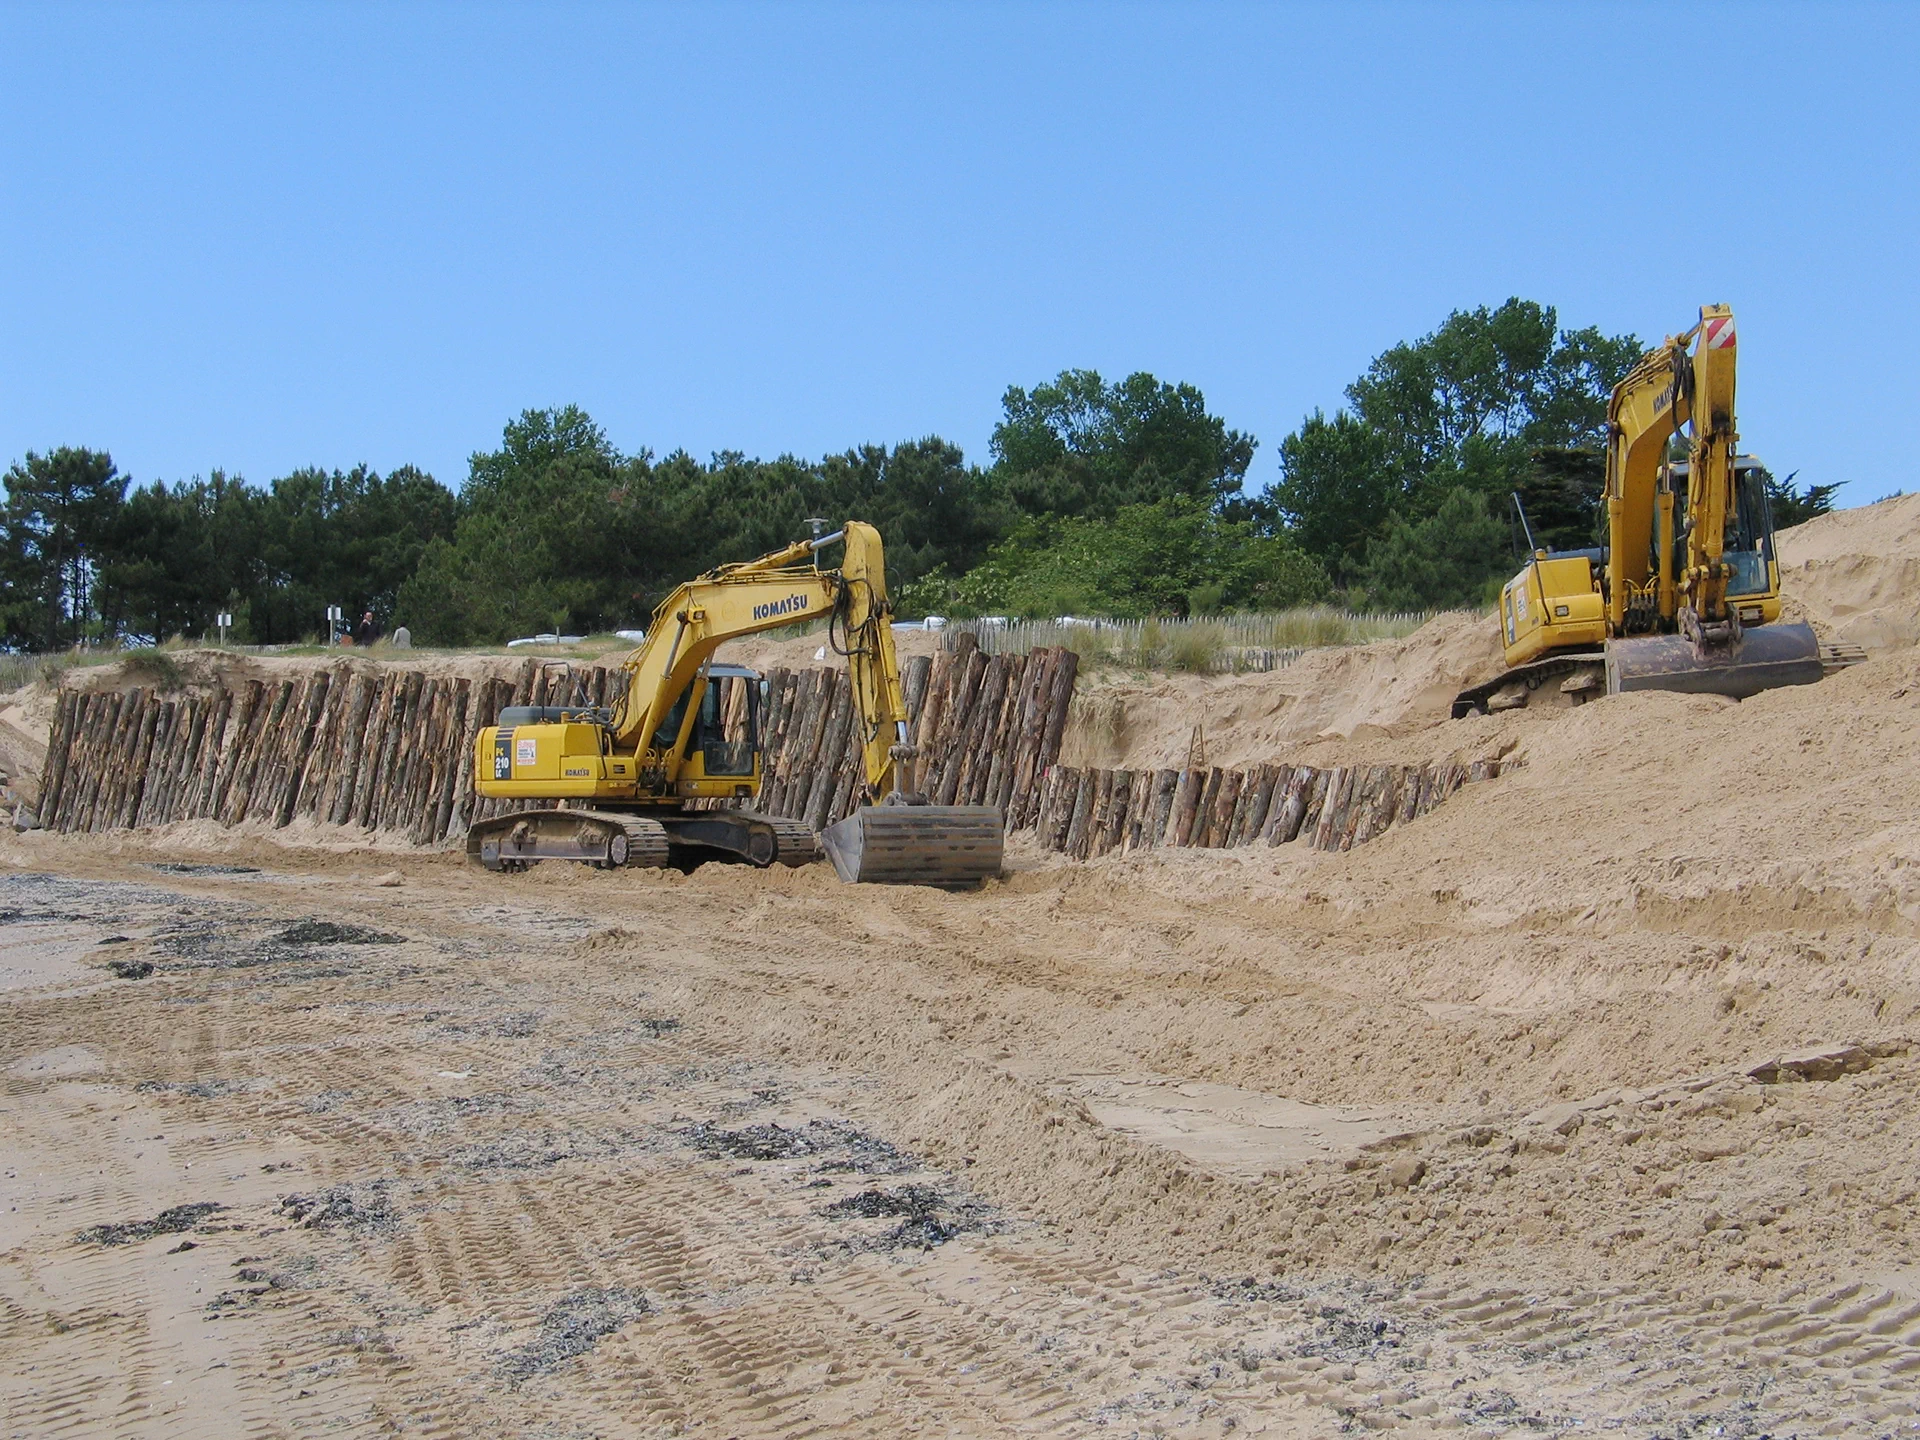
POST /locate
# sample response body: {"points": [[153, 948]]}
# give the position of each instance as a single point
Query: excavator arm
{"points": [[784, 588], [1672, 386]]}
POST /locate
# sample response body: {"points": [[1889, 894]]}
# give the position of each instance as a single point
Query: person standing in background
{"points": [[364, 632]]}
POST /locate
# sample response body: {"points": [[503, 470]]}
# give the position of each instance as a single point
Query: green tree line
{"points": [[1124, 498]]}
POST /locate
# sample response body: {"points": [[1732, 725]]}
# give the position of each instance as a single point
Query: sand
{"points": [[1585, 1103], [1856, 573]]}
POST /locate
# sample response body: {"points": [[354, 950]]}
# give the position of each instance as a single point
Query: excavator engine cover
{"points": [[947, 845], [1764, 657]]}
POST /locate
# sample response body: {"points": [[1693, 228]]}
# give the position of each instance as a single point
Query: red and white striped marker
{"points": [[1717, 332]]}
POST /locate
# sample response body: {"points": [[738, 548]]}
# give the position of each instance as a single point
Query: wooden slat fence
{"points": [[1087, 813], [389, 748]]}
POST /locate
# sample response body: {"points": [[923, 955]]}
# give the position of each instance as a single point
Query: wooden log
{"points": [[1113, 835], [1331, 806], [423, 774], [99, 788], [1097, 813], [913, 685], [1049, 789], [261, 734], [1036, 689], [55, 810], [1006, 735], [781, 686], [1186, 802], [1383, 803], [129, 773], [399, 813], [101, 757], [794, 776], [849, 774], [958, 735], [1366, 788], [1289, 805], [456, 762], [198, 802], [203, 737], [271, 754], [149, 754], [316, 774], [528, 677], [127, 810], [248, 709], [54, 768], [159, 755], [1166, 786], [833, 741], [926, 724], [1247, 782], [990, 731], [1410, 784], [444, 745], [1060, 826], [293, 770], [1139, 811], [103, 718], [1059, 702], [349, 752], [814, 755], [162, 783], [402, 715], [86, 717], [1482, 770], [89, 714], [1253, 824], [113, 772], [1203, 820], [1083, 807], [465, 797], [1223, 788], [373, 741]]}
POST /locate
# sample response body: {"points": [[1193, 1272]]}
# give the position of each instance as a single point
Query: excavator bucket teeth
{"points": [[1765, 657], [947, 845]]}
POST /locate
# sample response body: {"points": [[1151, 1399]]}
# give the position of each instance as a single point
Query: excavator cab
{"points": [[1755, 579]]}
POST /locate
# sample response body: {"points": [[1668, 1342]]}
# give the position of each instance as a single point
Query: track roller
{"points": [[600, 838]]}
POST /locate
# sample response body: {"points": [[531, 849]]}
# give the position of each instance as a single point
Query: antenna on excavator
{"points": [[818, 524]]}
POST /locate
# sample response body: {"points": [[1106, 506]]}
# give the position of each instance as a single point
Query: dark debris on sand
{"points": [[167, 1222], [575, 1324]]}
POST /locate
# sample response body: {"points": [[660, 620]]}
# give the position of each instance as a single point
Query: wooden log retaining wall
{"points": [[389, 748], [1085, 813]]}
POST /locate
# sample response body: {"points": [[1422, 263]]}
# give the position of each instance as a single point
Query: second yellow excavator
{"points": [[1684, 593], [655, 778]]}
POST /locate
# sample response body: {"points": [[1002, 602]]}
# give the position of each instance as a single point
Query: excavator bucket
{"points": [[1764, 657], [947, 845]]}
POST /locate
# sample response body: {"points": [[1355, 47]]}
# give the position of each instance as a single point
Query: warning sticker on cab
{"points": [[525, 752]]}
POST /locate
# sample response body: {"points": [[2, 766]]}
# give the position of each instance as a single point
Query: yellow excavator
{"points": [[662, 776], [1685, 592]]}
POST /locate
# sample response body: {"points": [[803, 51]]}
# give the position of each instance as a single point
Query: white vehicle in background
{"points": [[547, 639]]}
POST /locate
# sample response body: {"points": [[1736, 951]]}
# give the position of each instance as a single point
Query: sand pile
{"points": [[1388, 690], [1856, 573]]}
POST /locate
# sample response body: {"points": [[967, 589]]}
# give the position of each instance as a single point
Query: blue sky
{"points": [[266, 236]]}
